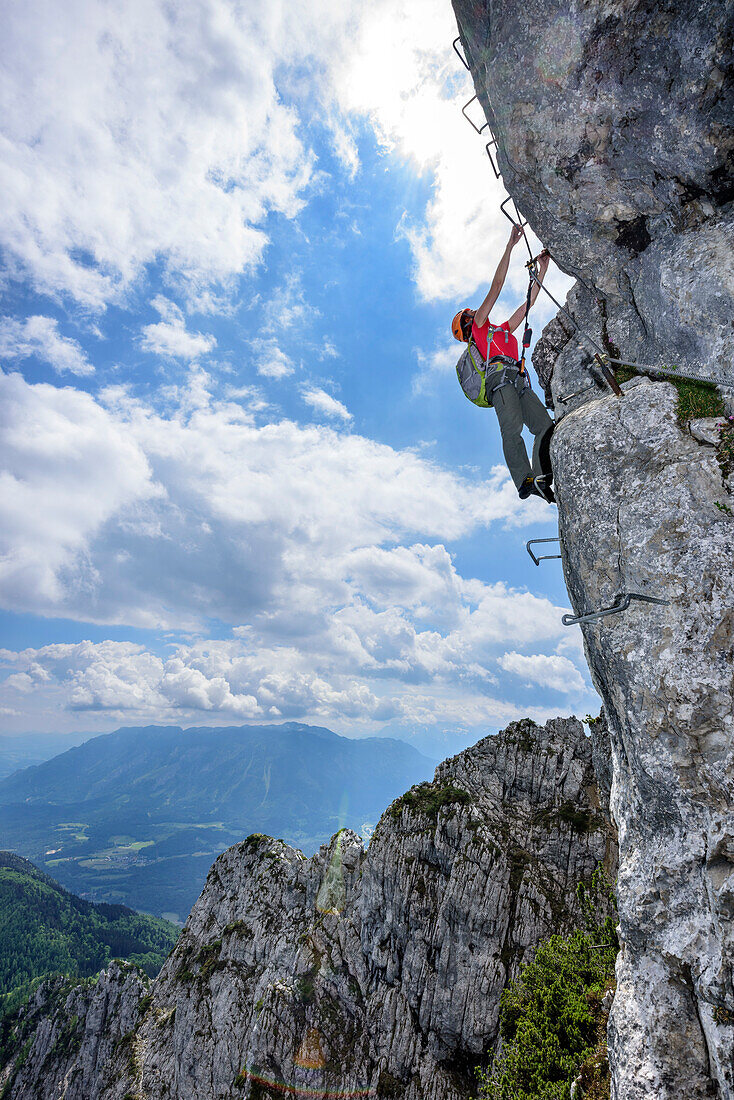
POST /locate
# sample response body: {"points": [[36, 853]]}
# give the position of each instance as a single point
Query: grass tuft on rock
{"points": [[695, 399], [725, 447]]}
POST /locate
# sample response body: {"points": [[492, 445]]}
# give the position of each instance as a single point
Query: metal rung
{"points": [[460, 56], [543, 557], [621, 603], [519, 221], [495, 169], [479, 129], [570, 396]]}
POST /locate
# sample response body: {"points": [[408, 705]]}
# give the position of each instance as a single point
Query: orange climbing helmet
{"points": [[461, 324]]}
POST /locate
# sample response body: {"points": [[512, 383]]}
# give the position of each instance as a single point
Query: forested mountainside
{"points": [[46, 930]]}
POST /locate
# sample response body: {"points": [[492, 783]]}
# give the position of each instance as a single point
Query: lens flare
{"points": [[331, 897], [310, 1053], [310, 1089]]}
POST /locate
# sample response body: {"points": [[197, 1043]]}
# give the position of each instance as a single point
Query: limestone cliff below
{"points": [[355, 971]]}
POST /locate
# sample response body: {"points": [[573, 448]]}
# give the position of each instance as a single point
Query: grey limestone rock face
{"points": [[637, 507], [69, 1034], [614, 127], [356, 971], [614, 123]]}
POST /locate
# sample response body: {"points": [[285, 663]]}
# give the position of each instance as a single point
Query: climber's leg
{"points": [[543, 454], [509, 413], [540, 424]]}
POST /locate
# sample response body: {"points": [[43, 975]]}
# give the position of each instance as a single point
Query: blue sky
{"points": [[239, 479]]}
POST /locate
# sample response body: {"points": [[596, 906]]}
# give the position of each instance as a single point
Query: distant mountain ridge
{"points": [[138, 815], [24, 750]]}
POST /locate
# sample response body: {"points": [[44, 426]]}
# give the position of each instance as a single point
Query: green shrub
{"points": [[551, 1019], [429, 799]]}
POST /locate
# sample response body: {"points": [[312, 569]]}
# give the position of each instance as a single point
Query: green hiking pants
{"points": [[513, 411]]}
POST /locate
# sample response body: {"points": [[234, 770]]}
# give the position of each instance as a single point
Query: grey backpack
{"points": [[471, 371]]}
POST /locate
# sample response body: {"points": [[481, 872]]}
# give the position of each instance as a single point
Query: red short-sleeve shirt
{"points": [[503, 342]]}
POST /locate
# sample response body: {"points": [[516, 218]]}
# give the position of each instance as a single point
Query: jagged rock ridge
{"points": [[354, 971], [614, 128]]}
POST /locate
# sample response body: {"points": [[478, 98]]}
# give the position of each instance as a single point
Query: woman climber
{"points": [[491, 374]]}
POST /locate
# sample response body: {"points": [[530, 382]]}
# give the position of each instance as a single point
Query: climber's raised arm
{"points": [[519, 315], [482, 314]]}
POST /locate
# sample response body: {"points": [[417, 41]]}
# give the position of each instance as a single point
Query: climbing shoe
{"points": [[527, 488], [538, 487], [542, 486]]}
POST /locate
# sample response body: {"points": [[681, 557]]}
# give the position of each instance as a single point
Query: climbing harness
{"points": [[520, 381], [474, 380], [540, 557], [621, 603]]}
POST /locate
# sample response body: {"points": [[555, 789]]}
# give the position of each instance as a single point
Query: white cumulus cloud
{"points": [[324, 403], [140, 132], [40, 336], [114, 512], [270, 360], [556, 673], [65, 469], [169, 337]]}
